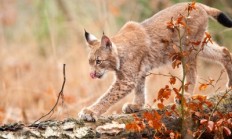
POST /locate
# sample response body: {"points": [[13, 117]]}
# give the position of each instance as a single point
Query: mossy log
{"points": [[112, 126]]}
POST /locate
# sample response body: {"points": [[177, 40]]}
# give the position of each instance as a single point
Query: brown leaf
{"points": [[170, 24], [201, 98], [202, 87], [168, 113], [203, 121], [227, 131], [186, 86], [210, 126], [191, 6], [179, 20], [148, 116], [164, 93], [173, 107], [196, 43], [176, 64], [220, 122], [230, 114], [172, 80], [160, 106], [209, 104], [176, 90]]}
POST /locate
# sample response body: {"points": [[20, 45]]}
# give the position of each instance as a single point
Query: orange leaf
{"points": [[148, 116], [176, 63], [173, 107], [156, 124], [160, 93], [164, 93], [196, 43], [186, 86], [176, 90], [201, 98], [168, 113], [157, 115], [172, 80], [160, 106], [202, 87], [209, 104], [179, 20], [191, 6], [167, 94], [170, 24]]}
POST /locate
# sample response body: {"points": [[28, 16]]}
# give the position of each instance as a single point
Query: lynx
{"points": [[140, 47]]}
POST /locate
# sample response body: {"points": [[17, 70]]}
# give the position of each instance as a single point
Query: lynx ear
{"points": [[105, 42], [90, 38]]}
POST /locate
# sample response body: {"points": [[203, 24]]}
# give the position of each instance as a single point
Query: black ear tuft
{"points": [[86, 35], [90, 38]]}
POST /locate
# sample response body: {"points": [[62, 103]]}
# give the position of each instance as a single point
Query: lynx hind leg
{"points": [[221, 55], [228, 65], [191, 74], [139, 99]]}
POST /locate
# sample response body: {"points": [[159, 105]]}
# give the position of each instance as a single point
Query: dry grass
{"points": [[35, 41]]}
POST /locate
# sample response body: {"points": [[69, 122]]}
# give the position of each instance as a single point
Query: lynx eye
{"points": [[98, 62]]}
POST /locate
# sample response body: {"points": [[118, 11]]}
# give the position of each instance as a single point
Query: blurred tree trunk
{"points": [[63, 7]]}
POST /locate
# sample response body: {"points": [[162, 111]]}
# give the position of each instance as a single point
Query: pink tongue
{"points": [[93, 75]]}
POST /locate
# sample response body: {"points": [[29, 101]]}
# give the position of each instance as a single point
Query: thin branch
{"points": [[61, 95], [165, 75], [219, 78]]}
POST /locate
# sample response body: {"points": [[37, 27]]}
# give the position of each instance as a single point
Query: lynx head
{"points": [[102, 56]]}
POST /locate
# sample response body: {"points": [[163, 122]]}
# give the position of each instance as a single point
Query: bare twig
{"points": [[219, 78], [61, 95], [165, 75]]}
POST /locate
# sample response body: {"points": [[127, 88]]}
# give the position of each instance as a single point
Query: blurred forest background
{"points": [[38, 36]]}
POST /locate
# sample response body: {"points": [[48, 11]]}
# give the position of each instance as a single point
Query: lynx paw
{"points": [[87, 115], [130, 108]]}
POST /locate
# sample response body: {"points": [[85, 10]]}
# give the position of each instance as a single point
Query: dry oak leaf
{"points": [[203, 87], [226, 131], [160, 106], [191, 6], [172, 80]]}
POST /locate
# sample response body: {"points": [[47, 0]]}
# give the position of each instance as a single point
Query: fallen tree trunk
{"points": [[112, 126]]}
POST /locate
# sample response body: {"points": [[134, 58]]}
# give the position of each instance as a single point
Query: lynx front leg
{"points": [[139, 99], [118, 91]]}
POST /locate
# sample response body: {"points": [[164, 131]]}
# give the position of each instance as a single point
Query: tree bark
{"points": [[112, 126]]}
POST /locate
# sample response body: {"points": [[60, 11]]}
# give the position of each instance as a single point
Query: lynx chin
{"points": [[138, 48]]}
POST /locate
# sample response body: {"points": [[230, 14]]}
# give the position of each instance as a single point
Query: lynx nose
{"points": [[93, 74]]}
